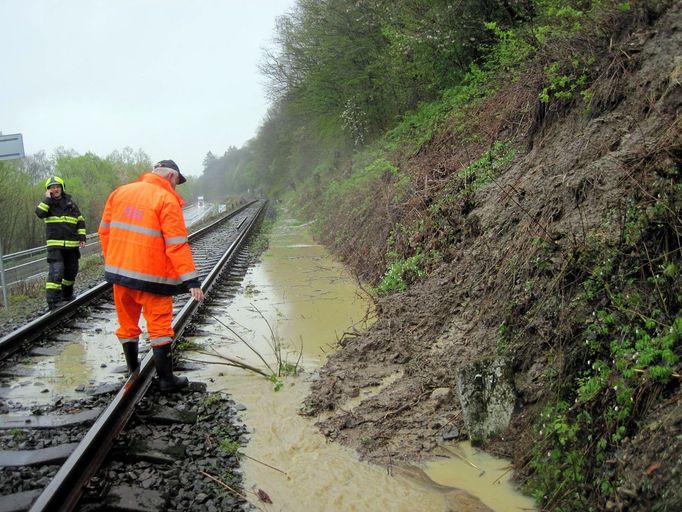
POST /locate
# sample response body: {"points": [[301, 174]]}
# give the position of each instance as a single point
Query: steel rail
{"points": [[66, 488], [34, 329]]}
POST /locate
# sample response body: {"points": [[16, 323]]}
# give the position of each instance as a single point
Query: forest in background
{"points": [[346, 78]]}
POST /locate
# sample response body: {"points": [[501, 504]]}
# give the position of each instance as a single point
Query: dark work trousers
{"points": [[61, 276]]}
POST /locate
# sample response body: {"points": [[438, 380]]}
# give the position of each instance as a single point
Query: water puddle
{"points": [[480, 474], [68, 369], [297, 298]]}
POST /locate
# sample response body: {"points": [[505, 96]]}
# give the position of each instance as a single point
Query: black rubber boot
{"points": [[130, 350], [54, 299], [67, 293], [163, 362]]}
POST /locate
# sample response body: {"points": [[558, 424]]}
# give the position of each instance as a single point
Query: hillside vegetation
{"points": [[506, 176]]}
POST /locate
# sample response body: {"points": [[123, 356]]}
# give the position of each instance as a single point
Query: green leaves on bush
{"points": [[567, 84], [400, 273]]}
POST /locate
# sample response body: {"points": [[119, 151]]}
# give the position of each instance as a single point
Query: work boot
{"points": [[130, 349], [67, 293], [163, 361], [54, 299]]}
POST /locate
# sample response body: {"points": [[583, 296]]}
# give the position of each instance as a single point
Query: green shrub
{"points": [[400, 273]]}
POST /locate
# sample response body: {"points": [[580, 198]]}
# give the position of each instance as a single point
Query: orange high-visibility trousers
{"points": [[156, 309]]}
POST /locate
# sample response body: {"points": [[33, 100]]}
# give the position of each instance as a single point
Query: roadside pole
{"points": [[11, 148], [2, 281]]}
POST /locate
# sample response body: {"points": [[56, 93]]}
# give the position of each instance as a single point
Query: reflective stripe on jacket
{"points": [[144, 238], [64, 224]]}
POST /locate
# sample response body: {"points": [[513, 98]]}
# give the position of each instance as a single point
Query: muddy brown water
{"points": [[300, 297]]}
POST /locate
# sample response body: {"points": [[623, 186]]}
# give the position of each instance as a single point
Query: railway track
{"points": [[72, 437]]}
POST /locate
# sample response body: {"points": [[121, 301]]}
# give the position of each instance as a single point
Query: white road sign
{"points": [[11, 146]]}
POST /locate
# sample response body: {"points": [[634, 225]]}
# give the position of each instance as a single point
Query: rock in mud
{"points": [[487, 396]]}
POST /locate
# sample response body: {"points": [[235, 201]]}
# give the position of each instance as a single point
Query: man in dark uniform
{"points": [[65, 233]]}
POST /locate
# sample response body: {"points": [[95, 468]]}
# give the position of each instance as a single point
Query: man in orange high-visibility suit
{"points": [[148, 260]]}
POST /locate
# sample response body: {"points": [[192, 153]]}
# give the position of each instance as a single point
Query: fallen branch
{"points": [[405, 406], [230, 362], [449, 422], [676, 375], [497, 480], [462, 457], [265, 464], [232, 490], [389, 413], [245, 343]]}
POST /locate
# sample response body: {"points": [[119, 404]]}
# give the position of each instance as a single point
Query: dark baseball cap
{"points": [[171, 165]]}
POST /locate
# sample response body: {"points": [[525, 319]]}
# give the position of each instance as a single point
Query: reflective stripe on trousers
{"points": [[61, 274]]}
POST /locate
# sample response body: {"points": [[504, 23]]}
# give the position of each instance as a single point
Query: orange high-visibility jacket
{"points": [[144, 238]]}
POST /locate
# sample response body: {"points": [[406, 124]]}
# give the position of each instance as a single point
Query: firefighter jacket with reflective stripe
{"points": [[64, 224], [144, 238]]}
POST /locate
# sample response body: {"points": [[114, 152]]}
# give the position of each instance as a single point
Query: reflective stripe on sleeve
{"points": [[137, 229], [174, 240], [189, 275]]}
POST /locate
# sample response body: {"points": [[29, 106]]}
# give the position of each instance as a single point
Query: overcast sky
{"points": [[175, 78]]}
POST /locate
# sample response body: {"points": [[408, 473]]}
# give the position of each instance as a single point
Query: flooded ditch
{"points": [[297, 296]]}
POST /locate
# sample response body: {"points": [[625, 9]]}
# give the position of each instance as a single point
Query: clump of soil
{"points": [[515, 265]]}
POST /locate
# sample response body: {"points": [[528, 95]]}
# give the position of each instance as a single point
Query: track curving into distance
{"points": [[215, 248]]}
